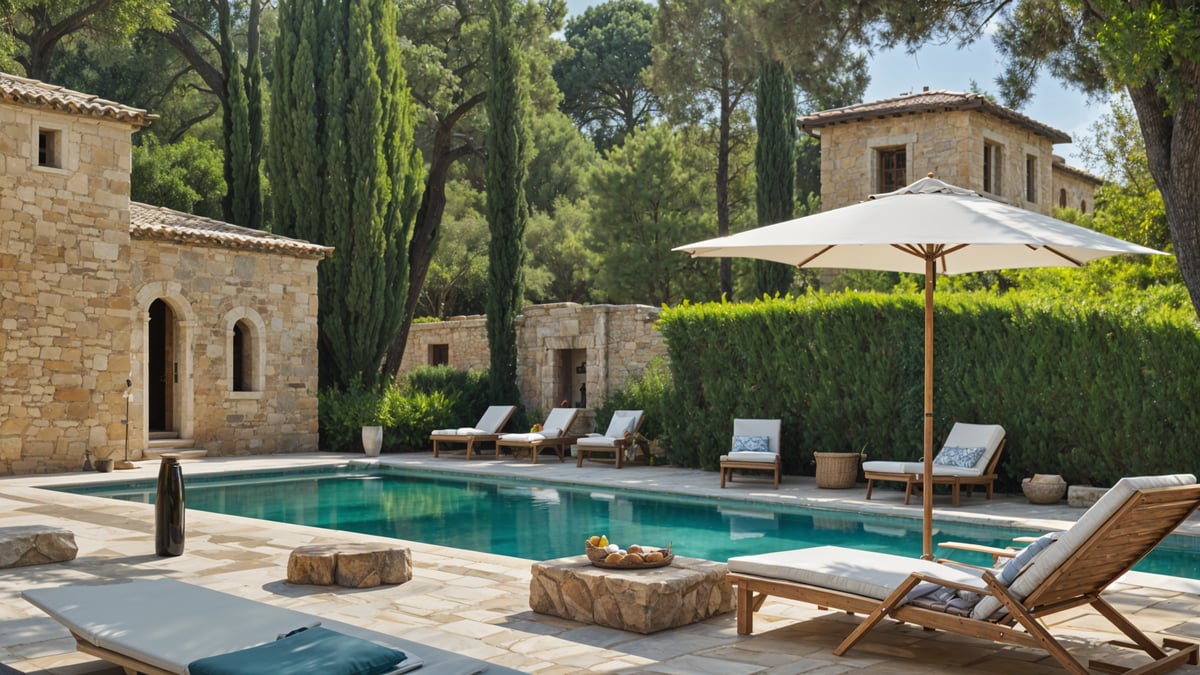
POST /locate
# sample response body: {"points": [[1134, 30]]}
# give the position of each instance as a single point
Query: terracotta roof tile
{"points": [[1060, 164], [163, 224], [929, 101], [39, 94]]}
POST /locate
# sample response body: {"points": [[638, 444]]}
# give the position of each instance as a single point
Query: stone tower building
{"points": [[200, 333]]}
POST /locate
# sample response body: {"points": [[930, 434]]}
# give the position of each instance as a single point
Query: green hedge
{"points": [[1083, 390], [431, 397]]}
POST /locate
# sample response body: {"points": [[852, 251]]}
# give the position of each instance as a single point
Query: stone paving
{"points": [[478, 604]]}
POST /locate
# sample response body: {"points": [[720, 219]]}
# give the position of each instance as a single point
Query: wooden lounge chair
{"points": [[984, 442], [746, 452], [555, 435], [168, 627], [1117, 532], [486, 430], [618, 439]]}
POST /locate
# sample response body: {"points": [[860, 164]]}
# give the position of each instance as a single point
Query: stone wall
{"points": [[1078, 192], [949, 144], [64, 290], [209, 290], [561, 347]]}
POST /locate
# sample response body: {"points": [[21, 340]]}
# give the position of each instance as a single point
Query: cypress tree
{"points": [[346, 171], [507, 208], [774, 164], [239, 174]]}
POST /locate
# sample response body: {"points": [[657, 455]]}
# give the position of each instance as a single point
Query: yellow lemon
{"points": [[603, 540]]}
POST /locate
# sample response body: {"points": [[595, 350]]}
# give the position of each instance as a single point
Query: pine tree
{"points": [[346, 171], [241, 175], [774, 164], [507, 209]]}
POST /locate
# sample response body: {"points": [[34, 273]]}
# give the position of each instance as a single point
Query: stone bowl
{"points": [[1044, 491]]}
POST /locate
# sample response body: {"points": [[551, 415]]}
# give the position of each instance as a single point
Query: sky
{"points": [[893, 72]]}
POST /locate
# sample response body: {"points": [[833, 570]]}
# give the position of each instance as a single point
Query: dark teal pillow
{"points": [[312, 650]]}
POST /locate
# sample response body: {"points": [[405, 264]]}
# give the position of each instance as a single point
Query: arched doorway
{"points": [[163, 366]]}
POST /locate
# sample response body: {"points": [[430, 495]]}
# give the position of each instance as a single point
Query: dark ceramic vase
{"points": [[168, 508]]}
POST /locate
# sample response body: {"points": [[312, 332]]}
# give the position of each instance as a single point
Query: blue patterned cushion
{"points": [[751, 444], [964, 458], [1025, 556]]}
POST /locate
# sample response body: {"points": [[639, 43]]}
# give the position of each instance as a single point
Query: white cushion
{"points": [[988, 436], [461, 431], [1049, 560], [530, 437], [765, 457], [494, 418], [890, 467], [752, 427], [865, 573], [598, 441], [918, 468], [623, 422]]}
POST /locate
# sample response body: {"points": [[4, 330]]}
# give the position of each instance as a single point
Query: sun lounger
{"points": [[968, 458], [555, 435], [1071, 569], [618, 439], [168, 627], [755, 447], [486, 430]]}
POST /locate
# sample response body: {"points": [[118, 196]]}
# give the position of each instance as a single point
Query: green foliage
{"points": [[468, 392], [774, 164], [604, 77], [41, 26], [1093, 390], [560, 162], [407, 417], [646, 200], [457, 278], [345, 171], [344, 412], [507, 208], [560, 265], [651, 392], [185, 176]]}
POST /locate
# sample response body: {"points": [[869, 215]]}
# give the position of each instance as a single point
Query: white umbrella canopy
{"points": [[928, 227]]}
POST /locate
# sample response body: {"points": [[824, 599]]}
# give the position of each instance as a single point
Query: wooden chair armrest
{"points": [[947, 583], [978, 548], [956, 563]]}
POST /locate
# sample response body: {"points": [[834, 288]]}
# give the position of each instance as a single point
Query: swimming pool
{"points": [[539, 521]]}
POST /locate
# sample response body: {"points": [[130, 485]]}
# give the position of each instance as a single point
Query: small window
{"points": [[1030, 178], [1062, 198], [439, 355], [1083, 206], [892, 169], [50, 148], [991, 168], [243, 357]]}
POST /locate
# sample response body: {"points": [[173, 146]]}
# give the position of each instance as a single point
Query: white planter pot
{"points": [[372, 440]]}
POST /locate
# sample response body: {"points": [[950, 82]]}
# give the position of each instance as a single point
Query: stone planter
{"points": [[372, 440], [104, 465], [1044, 489]]}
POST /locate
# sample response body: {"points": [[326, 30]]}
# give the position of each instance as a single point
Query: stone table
{"points": [[35, 545], [641, 601], [357, 565]]}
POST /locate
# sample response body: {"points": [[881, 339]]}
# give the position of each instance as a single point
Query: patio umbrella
{"points": [[929, 227]]}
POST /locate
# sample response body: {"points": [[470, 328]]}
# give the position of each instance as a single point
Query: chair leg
{"points": [[619, 453], [877, 614], [955, 499], [870, 484], [908, 488], [776, 477], [471, 446], [745, 608], [723, 470], [435, 448]]}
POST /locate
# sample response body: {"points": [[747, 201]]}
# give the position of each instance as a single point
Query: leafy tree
{"points": [[507, 209], [1129, 204], [447, 67], [203, 34], [703, 71], [346, 171], [457, 279], [604, 78], [561, 159], [560, 266], [39, 27], [185, 176], [646, 200], [774, 164]]}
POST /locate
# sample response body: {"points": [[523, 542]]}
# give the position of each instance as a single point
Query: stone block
{"points": [[35, 545], [1083, 496], [350, 565], [640, 601]]}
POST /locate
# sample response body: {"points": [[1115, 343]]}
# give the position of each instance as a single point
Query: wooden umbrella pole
{"points": [[927, 479]]}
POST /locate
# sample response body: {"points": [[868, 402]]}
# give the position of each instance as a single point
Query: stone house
{"points": [[964, 139], [565, 351], [200, 333]]}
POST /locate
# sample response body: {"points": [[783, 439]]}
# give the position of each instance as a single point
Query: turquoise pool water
{"points": [[539, 521]]}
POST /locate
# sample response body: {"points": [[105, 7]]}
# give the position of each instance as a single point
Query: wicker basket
{"points": [[837, 470]]}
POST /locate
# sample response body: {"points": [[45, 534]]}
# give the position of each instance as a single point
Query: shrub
{"points": [[650, 392]]}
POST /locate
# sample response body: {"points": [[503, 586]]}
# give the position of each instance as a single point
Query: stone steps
{"points": [[185, 448]]}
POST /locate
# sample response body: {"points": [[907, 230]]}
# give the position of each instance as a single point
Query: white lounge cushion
{"points": [[1049, 560], [764, 457], [623, 422], [866, 573], [493, 418], [962, 435], [756, 427], [598, 441], [544, 434], [891, 467]]}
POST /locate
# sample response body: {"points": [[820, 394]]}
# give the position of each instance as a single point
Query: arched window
{"points": [[243, 357], [1062, 198]]}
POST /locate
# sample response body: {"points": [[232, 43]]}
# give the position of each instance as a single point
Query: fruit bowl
{"points": [[631, 560]]}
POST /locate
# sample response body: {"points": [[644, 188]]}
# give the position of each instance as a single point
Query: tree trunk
{"points": [[1172, 145], [723, 124]]}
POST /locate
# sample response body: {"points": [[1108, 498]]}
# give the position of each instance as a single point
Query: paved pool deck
{"points": [[477, 603]]}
